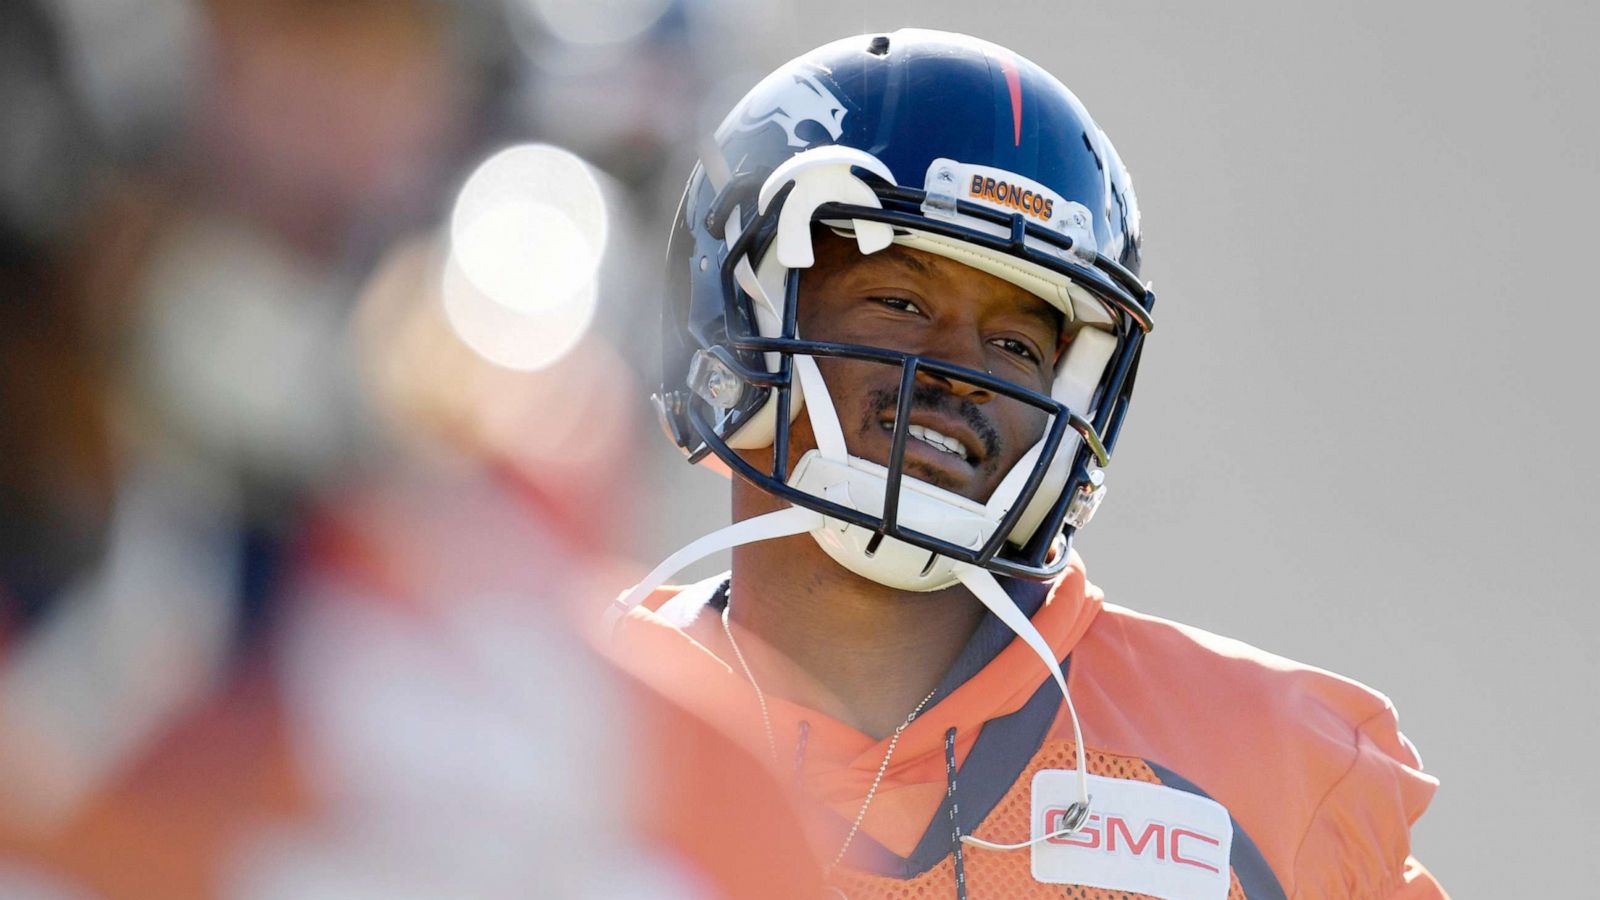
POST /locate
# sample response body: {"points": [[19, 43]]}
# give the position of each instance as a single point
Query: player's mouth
{"points": [[948, 451], [942, 442]]}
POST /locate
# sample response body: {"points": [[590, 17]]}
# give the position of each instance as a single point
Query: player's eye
{"points": [[1016, 348], [899, 303]]}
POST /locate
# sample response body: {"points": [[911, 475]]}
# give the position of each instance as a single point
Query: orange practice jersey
{"points": [[1217, 770]]}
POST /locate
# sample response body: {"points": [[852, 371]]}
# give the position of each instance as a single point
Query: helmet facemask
{"points": [[744, 393]]}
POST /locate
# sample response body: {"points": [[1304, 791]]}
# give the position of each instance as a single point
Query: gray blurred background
{"points": [[322, 413]]}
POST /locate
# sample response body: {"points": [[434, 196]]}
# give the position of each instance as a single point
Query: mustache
{"points": [[935, 399]]}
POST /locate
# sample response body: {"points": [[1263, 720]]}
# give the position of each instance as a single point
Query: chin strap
{"points": [[982, 584], [784, 522]]}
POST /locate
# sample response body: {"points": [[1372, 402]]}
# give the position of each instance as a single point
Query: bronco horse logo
{"points": [[791, 103]]}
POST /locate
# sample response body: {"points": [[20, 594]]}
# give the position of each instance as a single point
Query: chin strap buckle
{"points": [[1087, 499], [712, 381]]}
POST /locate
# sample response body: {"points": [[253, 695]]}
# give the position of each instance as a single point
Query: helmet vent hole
{"points": [[879, 45]]}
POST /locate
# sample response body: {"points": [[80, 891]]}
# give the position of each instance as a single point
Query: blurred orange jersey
{"points": [[1216, 770], [377, 744]]}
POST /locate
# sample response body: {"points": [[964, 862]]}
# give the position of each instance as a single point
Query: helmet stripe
{"points": [[1014, 82]]}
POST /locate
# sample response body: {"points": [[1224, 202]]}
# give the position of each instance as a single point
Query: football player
{"points": [[907, 317]]}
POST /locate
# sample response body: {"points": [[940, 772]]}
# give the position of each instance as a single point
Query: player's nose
{"points": [[954, 346]]}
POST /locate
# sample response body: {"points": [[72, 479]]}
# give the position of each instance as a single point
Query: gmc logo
{"points": [[1171, 844]]}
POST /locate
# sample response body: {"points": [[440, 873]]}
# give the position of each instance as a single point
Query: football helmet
{"points": [[942, 143]]}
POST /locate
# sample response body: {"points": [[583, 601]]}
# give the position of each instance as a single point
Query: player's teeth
{"points": [[948, 444]]}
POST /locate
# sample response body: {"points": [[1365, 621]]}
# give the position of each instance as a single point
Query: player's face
{"points": [[916, 302]]}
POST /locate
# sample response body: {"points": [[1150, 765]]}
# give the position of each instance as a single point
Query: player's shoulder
{"points": [[663, 640], [1311, 763], [1201, 664], [682, 606]]}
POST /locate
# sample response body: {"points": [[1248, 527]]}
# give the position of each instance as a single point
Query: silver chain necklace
{"points": [[772, 744]]}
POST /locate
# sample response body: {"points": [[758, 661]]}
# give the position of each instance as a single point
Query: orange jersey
{"points": [[1217, 770]]}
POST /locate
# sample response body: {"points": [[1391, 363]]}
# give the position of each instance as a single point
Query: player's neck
{"points": [[823, 637]]}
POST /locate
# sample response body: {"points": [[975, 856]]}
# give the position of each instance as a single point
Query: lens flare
{"points": [[528, 256], [594, 22], [526, 238], [506, 337]]}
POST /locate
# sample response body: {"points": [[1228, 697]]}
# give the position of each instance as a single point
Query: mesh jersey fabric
{"points": [[1005, 875], [1311, 766]]}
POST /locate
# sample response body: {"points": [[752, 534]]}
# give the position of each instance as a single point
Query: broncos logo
{"points": [[794, 103]]}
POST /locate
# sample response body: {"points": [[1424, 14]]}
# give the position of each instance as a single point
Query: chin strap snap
{"points": [[1077, 814]]}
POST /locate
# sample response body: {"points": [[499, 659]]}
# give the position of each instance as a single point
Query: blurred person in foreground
{"points": [[907, 316], [244, 653]]}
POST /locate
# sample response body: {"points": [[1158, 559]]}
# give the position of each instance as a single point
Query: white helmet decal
{"points": [[789, 101]]}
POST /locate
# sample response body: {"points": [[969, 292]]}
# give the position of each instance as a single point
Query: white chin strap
{"points": [[783, 523], [981, 582]]}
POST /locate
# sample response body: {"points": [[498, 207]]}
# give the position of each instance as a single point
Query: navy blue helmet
{"points": [[945, 144]]}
